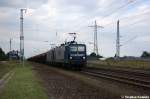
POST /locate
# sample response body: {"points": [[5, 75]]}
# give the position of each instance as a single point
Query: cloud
{"points": [[75, 5], [45, 17], [143, 39], [22, 3]]}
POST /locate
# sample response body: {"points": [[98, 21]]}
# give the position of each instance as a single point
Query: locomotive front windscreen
{"points": [[77, 48]]}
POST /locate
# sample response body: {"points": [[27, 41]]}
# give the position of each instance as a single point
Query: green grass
{"points": [[6, 67], [23, 85], [133, 64]]}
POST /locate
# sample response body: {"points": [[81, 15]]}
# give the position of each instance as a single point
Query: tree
{"points": [[145, 54], [2, 55], [93, 54]]}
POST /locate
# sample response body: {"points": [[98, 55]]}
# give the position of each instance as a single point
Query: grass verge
{"points": [[5, 67], [132, 64], [23, 85]]}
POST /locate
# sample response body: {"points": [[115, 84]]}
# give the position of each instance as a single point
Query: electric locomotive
{"points": [[70, 54]]}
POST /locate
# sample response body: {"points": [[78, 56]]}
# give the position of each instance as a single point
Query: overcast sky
{"points": [[46, 17]]}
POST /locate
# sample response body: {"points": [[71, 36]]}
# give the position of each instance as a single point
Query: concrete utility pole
{"points": [[95, 49], [21, 36], [10, 43], [10, 49], [118, 42]]}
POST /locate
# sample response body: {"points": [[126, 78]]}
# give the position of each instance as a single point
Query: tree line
{"points": [[145, 54]]}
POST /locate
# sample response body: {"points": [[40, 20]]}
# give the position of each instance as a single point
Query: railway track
{"points": [[131, 78]]}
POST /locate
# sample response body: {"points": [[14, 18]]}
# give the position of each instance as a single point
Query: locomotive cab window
{"points": [[81, 48], [77, 48], [73, 48]]}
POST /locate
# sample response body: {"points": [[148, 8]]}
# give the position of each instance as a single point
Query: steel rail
{"points": [[119, 78]]}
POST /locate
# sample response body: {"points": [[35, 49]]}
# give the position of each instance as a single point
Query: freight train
{"points": [[70, 54]]}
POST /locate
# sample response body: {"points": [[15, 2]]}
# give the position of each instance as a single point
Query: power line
{"points": [[131, 39], [134, 23], [129, 17], [117, 9], [138, 21]]}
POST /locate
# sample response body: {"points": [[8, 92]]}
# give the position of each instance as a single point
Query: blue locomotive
{"points": [[70, 54]]}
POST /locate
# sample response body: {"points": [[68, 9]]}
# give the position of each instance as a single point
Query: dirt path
{"points": [[60, 86]]}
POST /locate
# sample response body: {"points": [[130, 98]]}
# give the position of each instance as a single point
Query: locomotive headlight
{"points": [[70, 57], [83, 57]]}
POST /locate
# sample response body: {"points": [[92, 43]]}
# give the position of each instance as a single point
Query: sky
{"points": [[48, 22]]}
